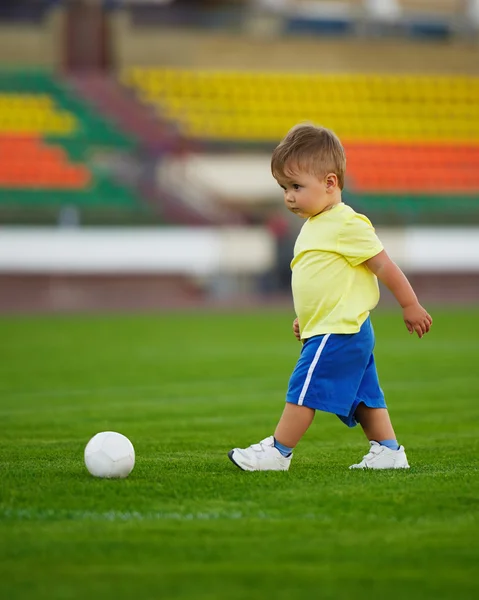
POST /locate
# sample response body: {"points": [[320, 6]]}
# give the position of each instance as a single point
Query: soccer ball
{"points": [[109, 454]]}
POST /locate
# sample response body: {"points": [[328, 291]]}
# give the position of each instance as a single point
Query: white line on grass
{"points": [[52, 515], [113, 516]]}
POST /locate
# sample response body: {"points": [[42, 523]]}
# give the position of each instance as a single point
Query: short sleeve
{"points": [[358, 241]]}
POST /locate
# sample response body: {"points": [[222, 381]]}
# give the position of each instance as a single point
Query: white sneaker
{"points": [[260, 457], [382, 457]]}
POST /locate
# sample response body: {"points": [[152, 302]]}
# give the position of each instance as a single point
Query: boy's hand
{"points": [[297, 335], [417, 319]]}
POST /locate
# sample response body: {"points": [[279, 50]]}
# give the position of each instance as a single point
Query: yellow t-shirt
{"points": [[333, 291]]}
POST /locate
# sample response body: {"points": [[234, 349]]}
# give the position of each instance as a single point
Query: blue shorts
{"points": [[336, 372]]}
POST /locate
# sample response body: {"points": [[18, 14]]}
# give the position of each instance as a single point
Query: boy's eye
{"points": [[296, 186]]}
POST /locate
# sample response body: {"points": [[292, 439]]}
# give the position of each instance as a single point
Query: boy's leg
{"points": [[375, 422], [275, 452], [293, 424], [384, 452], [268, 455]]}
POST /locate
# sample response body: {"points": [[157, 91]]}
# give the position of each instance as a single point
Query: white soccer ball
{"points": [[109, 454]]}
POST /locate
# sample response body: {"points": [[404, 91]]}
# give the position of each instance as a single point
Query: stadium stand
{"points": [[412, 141], [48, 141], [260, 106]]}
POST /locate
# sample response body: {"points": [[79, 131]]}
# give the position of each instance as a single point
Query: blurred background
{"points": [[135, 140]]}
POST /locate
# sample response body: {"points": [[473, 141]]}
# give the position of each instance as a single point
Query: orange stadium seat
{"points": [[28, 162], [413, 168]]}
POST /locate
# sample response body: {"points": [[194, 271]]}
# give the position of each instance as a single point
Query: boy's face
{"points": [[307, 195]]}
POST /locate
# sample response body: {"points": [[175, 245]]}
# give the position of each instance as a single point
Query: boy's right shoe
{"points": [[260, 457], [382, 457]]}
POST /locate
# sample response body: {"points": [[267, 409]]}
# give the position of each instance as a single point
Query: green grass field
{"points": [[187, 523]]}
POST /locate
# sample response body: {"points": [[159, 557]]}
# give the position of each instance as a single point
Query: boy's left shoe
{"points": [[382, 457], [260, 457]]}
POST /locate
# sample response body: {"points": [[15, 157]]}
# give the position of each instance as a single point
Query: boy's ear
{"points": [[331, 180]]}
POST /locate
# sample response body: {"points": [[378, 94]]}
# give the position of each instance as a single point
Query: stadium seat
{"points": [[411, 141], [47, 136], [223, 106], [29, 163]]}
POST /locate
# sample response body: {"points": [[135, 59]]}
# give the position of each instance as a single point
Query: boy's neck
{"points": [[334, 202]]}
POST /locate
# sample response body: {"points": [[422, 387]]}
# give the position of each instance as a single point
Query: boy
{"points": [[337, 261]]}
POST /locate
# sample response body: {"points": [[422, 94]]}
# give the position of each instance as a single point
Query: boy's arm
{"points": [[415, 316]]}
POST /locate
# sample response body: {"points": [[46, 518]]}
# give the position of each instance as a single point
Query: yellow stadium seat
{"points": [[257, 105]]}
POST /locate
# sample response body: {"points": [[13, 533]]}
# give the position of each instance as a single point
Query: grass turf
{"points": [[187, 523]]}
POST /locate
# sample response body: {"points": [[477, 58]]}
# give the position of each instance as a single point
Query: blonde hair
{"points": [[307, 147]]}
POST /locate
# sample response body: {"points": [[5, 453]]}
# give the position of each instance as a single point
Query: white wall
{"points": [[209, 251], [189, 251]]}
